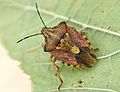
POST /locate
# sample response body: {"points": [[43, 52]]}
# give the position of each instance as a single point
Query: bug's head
{"points": [[52, 35]]}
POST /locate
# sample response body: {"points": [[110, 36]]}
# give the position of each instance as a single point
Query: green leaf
{"points": [[102, 20]]}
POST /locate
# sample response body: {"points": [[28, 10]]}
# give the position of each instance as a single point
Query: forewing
{"points": [[85, 57]]}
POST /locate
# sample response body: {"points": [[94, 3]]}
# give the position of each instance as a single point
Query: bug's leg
{"points": [[57, 72], [81, 30], [96, 49], [53, 59], [82, 33], [68, 19], [57, 69]]}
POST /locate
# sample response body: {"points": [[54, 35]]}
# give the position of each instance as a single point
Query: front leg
{"points": [[57, 72], [53, 59]]}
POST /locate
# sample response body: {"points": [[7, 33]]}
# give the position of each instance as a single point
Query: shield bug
{"points": [[66, 44]]}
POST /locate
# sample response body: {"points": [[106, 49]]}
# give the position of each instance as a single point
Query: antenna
{"points": [[40, 15], [36, 33], [28, 37]]}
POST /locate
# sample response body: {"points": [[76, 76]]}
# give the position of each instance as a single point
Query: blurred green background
{"points": [[18, 18]]}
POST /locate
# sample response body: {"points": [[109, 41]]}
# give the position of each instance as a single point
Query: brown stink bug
{"points": [[66, 44]]}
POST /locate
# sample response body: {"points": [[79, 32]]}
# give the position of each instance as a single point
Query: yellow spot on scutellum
{"points": [[75, 49]]}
